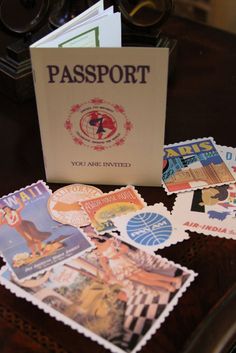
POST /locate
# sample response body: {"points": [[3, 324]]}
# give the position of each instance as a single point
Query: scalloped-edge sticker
{"points": [[102, 209], [229, 155], [117, 294], [194, 164], [30, 240], [151, 228], [210, 211], [64, 207]]}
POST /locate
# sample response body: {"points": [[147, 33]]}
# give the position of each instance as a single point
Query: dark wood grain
{"points": [[201, 102]]}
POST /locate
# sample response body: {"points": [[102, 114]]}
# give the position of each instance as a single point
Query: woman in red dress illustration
{"points": [[27, 229]]}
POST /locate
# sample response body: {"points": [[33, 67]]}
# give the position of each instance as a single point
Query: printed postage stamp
{"points": [[194, 164], [210, 211], [150, 228], [30, 240], [101, 210], [229, 155], [116, 294], [64, 207]]}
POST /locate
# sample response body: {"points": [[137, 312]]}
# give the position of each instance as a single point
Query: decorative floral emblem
{"points": [[68, 124], [75, 108], [98, 124]]}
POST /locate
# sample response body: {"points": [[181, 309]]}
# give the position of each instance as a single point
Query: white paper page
{"points": [[104, 32], [88, 15], [106, 12]]}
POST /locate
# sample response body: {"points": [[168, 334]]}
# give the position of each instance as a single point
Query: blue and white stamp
{"points": [[151, 228]]}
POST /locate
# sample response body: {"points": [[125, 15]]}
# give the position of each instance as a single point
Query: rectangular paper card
{"points": [[30, 240], [117, 295], [208, 211], [194, 164], [101, 113]]}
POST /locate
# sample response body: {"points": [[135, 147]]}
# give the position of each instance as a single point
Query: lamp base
{"points": [[16, 79], [15, 68]]}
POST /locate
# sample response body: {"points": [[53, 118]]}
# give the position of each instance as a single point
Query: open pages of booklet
{"points": [[89, 29]]}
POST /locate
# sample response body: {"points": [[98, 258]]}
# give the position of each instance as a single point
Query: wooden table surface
{"points": [[201, 103]]}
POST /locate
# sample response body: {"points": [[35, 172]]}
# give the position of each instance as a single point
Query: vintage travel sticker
{"points": [[117, 294], [150, 228], [64, 207], [30, 240], [101, 210], [229, 155], [194, 164], [210, 211]]}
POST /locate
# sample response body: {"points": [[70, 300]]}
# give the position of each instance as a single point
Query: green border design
{"points": [[95, 29]]}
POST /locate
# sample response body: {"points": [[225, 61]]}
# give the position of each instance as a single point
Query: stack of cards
{"points": [[203, 174], [89, 258]]}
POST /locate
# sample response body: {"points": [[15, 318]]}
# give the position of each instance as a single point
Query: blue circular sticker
{"points": [[149, 228]]}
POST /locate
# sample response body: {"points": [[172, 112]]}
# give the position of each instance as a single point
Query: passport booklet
{"points": [[101, 107]]}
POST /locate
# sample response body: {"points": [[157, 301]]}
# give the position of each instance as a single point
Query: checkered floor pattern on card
{"points": [[141, 312]]}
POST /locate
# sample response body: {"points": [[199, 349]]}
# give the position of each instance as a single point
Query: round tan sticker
{"points": [[64, 207]]}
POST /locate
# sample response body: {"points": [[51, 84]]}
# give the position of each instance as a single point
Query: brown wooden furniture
{"points": [[201, 103]]}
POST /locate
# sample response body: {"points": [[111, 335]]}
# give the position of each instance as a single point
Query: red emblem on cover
{"points": [[98, 124]]}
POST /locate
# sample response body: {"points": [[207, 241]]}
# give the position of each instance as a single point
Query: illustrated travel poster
{"points": [[210, 211], [151, 228], [102, 209], [30, 241], [117, 295], [194, 164]]}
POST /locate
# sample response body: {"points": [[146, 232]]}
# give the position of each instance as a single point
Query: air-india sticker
{"points": [[64, 207]]}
